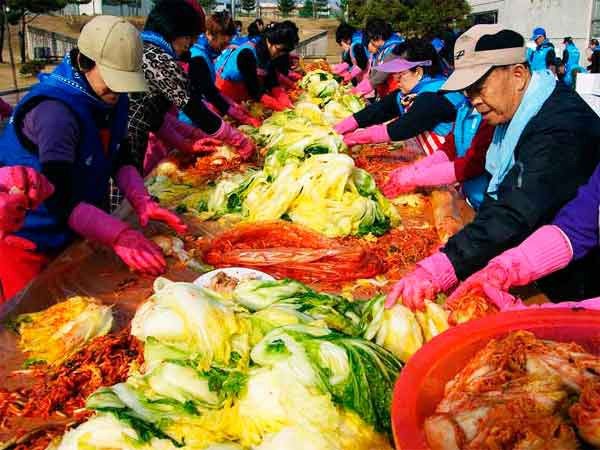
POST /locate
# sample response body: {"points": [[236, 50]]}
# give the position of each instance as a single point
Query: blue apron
{"points": [[357, 40], [465, 129], [94, 163], [226, 64], [574, 56], [537, 58], [429, 84], [386, 49], [203, 50]]}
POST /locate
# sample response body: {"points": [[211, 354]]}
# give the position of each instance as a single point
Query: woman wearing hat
{"points": [[247, 71], [72, 127], [170, 30], [418, 110]]}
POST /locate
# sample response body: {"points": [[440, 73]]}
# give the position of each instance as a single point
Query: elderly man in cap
{"points": [[544, 56], [545, 146]]}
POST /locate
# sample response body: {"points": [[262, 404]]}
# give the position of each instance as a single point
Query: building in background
{"points": [[579, 19]]}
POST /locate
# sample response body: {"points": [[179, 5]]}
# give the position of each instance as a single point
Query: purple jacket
{"points": [[579, 218]]}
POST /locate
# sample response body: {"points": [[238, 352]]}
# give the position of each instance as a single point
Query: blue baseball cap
{"points": [[537, 32], [438, 44]]}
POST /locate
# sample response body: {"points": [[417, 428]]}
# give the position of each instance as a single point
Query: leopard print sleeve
{"points": [[165, 76]]}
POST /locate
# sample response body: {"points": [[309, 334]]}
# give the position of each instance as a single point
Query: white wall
{"points": [[560, 18], [91, 8]]}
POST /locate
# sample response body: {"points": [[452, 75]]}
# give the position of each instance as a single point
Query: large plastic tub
{"points": [[420, 386]]}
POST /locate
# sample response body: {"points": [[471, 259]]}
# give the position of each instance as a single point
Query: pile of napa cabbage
{"points": [[274, 365]]}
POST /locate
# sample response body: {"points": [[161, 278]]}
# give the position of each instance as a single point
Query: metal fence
{"points": [[314, 46], [44, 44]]}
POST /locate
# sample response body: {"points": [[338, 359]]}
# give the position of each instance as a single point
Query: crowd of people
{"points": [[490, 113]]}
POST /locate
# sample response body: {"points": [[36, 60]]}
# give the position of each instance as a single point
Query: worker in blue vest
{"points": [[355, 58], [570, 59], [72, 128], [544, 56]]}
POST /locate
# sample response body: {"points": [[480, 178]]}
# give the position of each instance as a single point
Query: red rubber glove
{"points": [[131, 184], [433, 275], [271, 103], [242, 115], [33, 185], [294, 76], [282, 97]]}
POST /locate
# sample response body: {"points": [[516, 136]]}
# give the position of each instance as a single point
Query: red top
{"points": [[472, 164]]}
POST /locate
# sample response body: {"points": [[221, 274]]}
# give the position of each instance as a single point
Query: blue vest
{"points": [[387, 48], [93, 164], [239, 39], [226, 64], [537, 58], [428, 84], [574, 56], [465, 128], [203, 50], [357, 40]]}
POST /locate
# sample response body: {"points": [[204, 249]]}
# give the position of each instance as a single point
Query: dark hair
{"points": [[253, 29], [282, 33], [376, 29], [81, 62], [220, 23], [238, 23], [568, 40], [594, 41], [501, 40], [344, 32], [174, 18], [415, 49]]}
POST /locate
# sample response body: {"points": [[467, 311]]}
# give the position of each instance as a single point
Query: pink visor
{"points": [[397, 65]]}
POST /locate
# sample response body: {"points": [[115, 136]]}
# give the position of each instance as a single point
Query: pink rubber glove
{"points": [[13, 208], [172, 134], [271, 103], [285, 81], [432, 275], [33, 185], [294, 76], [406, 179], [282, 97], [156, 151], [242, 143], [346, 125], [436, 157], [338, 69], [545, 251], [372, 135], [242, 115], [131, 246], [363, 88], [349, 76], [131, 184]]}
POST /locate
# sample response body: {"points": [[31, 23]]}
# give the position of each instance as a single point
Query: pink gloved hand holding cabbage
{"points": [[363, 88], [339, 69], [242, 115], [432, 275], [408, 178], [346, 126]]}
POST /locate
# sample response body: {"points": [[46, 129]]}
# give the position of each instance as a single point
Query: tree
{"points": [[22, 12], [432, 17], [248, 5], [307, 9], [321, 8], [208, 5], [285, 7]]}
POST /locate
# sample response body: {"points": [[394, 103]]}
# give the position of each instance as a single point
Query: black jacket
{"points": [[557, 153], [428, 110]]}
